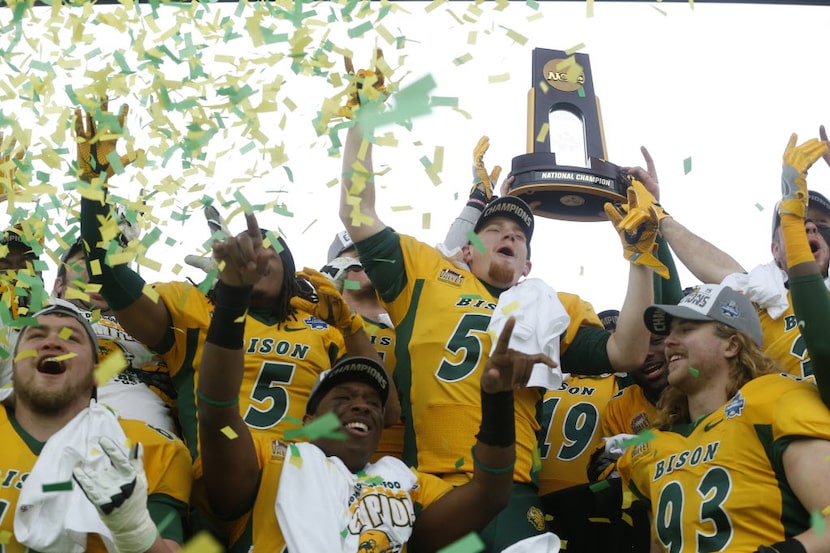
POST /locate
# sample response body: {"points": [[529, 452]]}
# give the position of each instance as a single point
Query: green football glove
{"points": [[96, 144], [480, 175], [329, 305], [359, 91], [797, 160], [637, 223]]}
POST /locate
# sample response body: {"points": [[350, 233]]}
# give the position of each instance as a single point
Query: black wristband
{"points": [[478, 198], [792, 545], [498, 420], [227, 326]]}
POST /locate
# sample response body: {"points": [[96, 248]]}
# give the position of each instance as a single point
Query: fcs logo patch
{"points": [[536, 518], [451, 277]]}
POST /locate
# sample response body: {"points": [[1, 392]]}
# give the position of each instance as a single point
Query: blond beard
{"points": [[499, 273]]}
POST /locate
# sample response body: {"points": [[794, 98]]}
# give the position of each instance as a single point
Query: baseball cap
{"points": [[608, 318], [342, 242], [14, 235], [351, 369], [513, 208], [62, 307], [815, 200], [708, 302]]}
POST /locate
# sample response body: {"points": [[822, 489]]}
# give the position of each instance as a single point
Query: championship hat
{"points": [[342, 242], [608, 318], [351, 369], [513, 208], [815, 200], [58, 306], [708, 302], [15, 235]]}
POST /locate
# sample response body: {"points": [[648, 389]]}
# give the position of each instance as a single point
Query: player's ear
{"points": [[307, 418], [528, 265], [467, 253], [732, 347]]}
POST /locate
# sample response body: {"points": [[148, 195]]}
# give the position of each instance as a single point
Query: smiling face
{"points": [[698, 356], [360, 410], [503, 259], [54, 364], [653, 375]]}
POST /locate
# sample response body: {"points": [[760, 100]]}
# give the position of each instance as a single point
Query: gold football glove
{"points": [[330, 305], [367, 84], [797, 160], [480, 171], [637, 223], [96, 143]]}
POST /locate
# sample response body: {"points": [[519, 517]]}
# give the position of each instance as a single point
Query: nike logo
{"points": [[289, 329], [711, 425]]}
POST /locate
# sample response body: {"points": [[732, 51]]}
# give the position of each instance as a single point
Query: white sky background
{"points": [[723, 85]]}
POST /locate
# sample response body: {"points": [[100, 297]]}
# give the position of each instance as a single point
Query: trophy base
{"points": [[565, 192]]}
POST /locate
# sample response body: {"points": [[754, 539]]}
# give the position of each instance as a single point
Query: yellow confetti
{"points": [[65, 333], [589, 8], [510, 307], [150, 292], [229, 433], [65, 356], [72, 293], [110, 366], [202, 543], [95, 265], [401, 208], [574, 49], [5, 537], [425, 221], [543, 132], [24, 354], [498, 78], [826, 511]]}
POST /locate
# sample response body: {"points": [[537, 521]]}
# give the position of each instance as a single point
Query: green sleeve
{"points": [[120, 285], [382, 258], [168, 514], [588, 352], [811, 304], [667, 290]]}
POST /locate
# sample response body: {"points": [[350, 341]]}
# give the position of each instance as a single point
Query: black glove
{"points": [[792, 545]]}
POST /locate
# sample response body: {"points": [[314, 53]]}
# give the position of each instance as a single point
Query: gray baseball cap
{"points": [[59, 306], [342, 242], [708, 302]]}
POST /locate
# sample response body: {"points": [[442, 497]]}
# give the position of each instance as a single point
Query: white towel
{"points": [[764, 286], [540, 320], [543, 543], [59, 521], [322, 507]]}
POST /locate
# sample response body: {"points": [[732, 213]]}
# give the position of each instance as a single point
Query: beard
{"points": [[501, 274], [51, 402]]}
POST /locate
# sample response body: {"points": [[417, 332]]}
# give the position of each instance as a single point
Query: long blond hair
{"points": [[751, 362]]}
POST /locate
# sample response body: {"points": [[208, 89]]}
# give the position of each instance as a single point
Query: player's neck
{"points": [[367, 305]]}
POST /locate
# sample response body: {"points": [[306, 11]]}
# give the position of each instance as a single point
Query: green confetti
{"points": [[115, 162], [292, 420], [581, 92], [58, 487], [381, 260], [759, 207], [451, 101], [642, 438], [459, 463], [694, 372], [476, 241], [351, 285], [599, 486], [687, 166], [327, 426], [470, 543], [470, 296], [360, 30], [817, 522]]}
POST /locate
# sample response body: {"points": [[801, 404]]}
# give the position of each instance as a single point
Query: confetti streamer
{"points": [[58, 487], [471, 543], [687, 165]]}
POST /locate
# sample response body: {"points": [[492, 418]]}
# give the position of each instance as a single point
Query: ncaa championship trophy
{"points": [[563, 82]]}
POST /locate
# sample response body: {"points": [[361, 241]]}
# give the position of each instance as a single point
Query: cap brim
{"points": [[658, 318]]}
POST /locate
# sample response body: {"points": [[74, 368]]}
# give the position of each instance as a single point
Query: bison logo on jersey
{"points": [[536, 518], [375, 541]]}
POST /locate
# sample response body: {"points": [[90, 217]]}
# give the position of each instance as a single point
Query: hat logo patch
{"points": [[730, 309]]}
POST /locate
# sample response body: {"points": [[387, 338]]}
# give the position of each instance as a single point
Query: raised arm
{"points": [[705, 261], [243, 260], [470, 507], [810, 300], [357, 194], [123, 289]]}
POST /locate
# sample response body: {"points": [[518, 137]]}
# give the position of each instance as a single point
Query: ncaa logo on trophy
{"points": [[575, 191]]}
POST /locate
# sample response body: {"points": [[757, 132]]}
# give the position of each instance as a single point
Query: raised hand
{"points": [[637, 223], [365, 84], [647, 176], [96, 143], [797, 160], [508, 369], [480, 175], [242, 260]]}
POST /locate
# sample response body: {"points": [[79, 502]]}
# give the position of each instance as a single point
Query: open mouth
{"points": [[357, 428], [50, 365], [505, 250]]}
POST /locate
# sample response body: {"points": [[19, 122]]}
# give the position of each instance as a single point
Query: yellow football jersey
{"points": [[259, 527], [441, 318], [628, 412], [282, 362], [784, 343], [719, 484], [166, 463], [571, 428], [383, 339]]}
